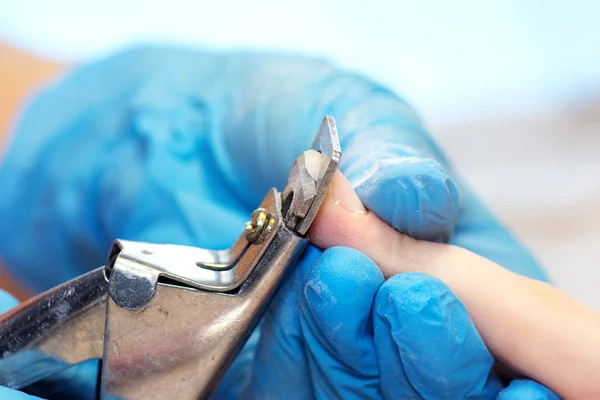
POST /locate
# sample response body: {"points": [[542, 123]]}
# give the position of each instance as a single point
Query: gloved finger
{"points": [[280, 367], [337, 298], [387, 154], [479, 231], [415, 196], [524, 389], [426, 344]]}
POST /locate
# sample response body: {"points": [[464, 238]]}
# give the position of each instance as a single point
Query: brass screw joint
{"points": [[259, 226]]}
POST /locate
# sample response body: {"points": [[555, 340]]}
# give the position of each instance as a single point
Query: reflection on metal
{"points": [[168, 320], [60, 328]]}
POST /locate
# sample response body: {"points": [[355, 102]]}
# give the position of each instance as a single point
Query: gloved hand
{"points": [[177, 146], [358, 337]]}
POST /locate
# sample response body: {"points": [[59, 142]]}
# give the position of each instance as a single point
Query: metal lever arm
{"points": [[53, 331], [183, 340]]}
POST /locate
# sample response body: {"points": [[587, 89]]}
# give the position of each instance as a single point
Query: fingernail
{"points": [[343, 194]]}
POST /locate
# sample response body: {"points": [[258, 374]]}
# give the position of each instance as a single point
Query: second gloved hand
{"points": [[341, 332]]}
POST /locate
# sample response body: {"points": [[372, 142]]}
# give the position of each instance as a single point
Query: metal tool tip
{"points": [[327, 140]]}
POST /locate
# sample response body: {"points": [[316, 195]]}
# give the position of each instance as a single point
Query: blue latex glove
{"points": [[358, 337], [177, 146]]}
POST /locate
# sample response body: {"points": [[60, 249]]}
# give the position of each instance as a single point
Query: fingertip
{"points": [[414, 195], [340, 217]]}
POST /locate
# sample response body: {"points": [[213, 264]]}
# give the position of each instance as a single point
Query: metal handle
{"points": [[51, 332], [183, 340]]}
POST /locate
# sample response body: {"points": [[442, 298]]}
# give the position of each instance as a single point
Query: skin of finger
{"points": [[337, 297], [427, 346], [524, 389], [336, 226], [479, 231]]}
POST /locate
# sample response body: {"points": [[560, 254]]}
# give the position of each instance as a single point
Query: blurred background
{"points": [[510, 88]]}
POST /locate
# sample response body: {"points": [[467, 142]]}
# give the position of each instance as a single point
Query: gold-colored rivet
{"points": [[259, 226]]}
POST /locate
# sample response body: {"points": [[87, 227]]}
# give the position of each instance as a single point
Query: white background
{"points": [[452, 58]]}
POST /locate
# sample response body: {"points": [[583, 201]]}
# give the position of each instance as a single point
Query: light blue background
{"points": [[452, 59]]}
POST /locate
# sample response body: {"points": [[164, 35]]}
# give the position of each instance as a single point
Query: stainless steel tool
{"points": [[168, 320]]}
